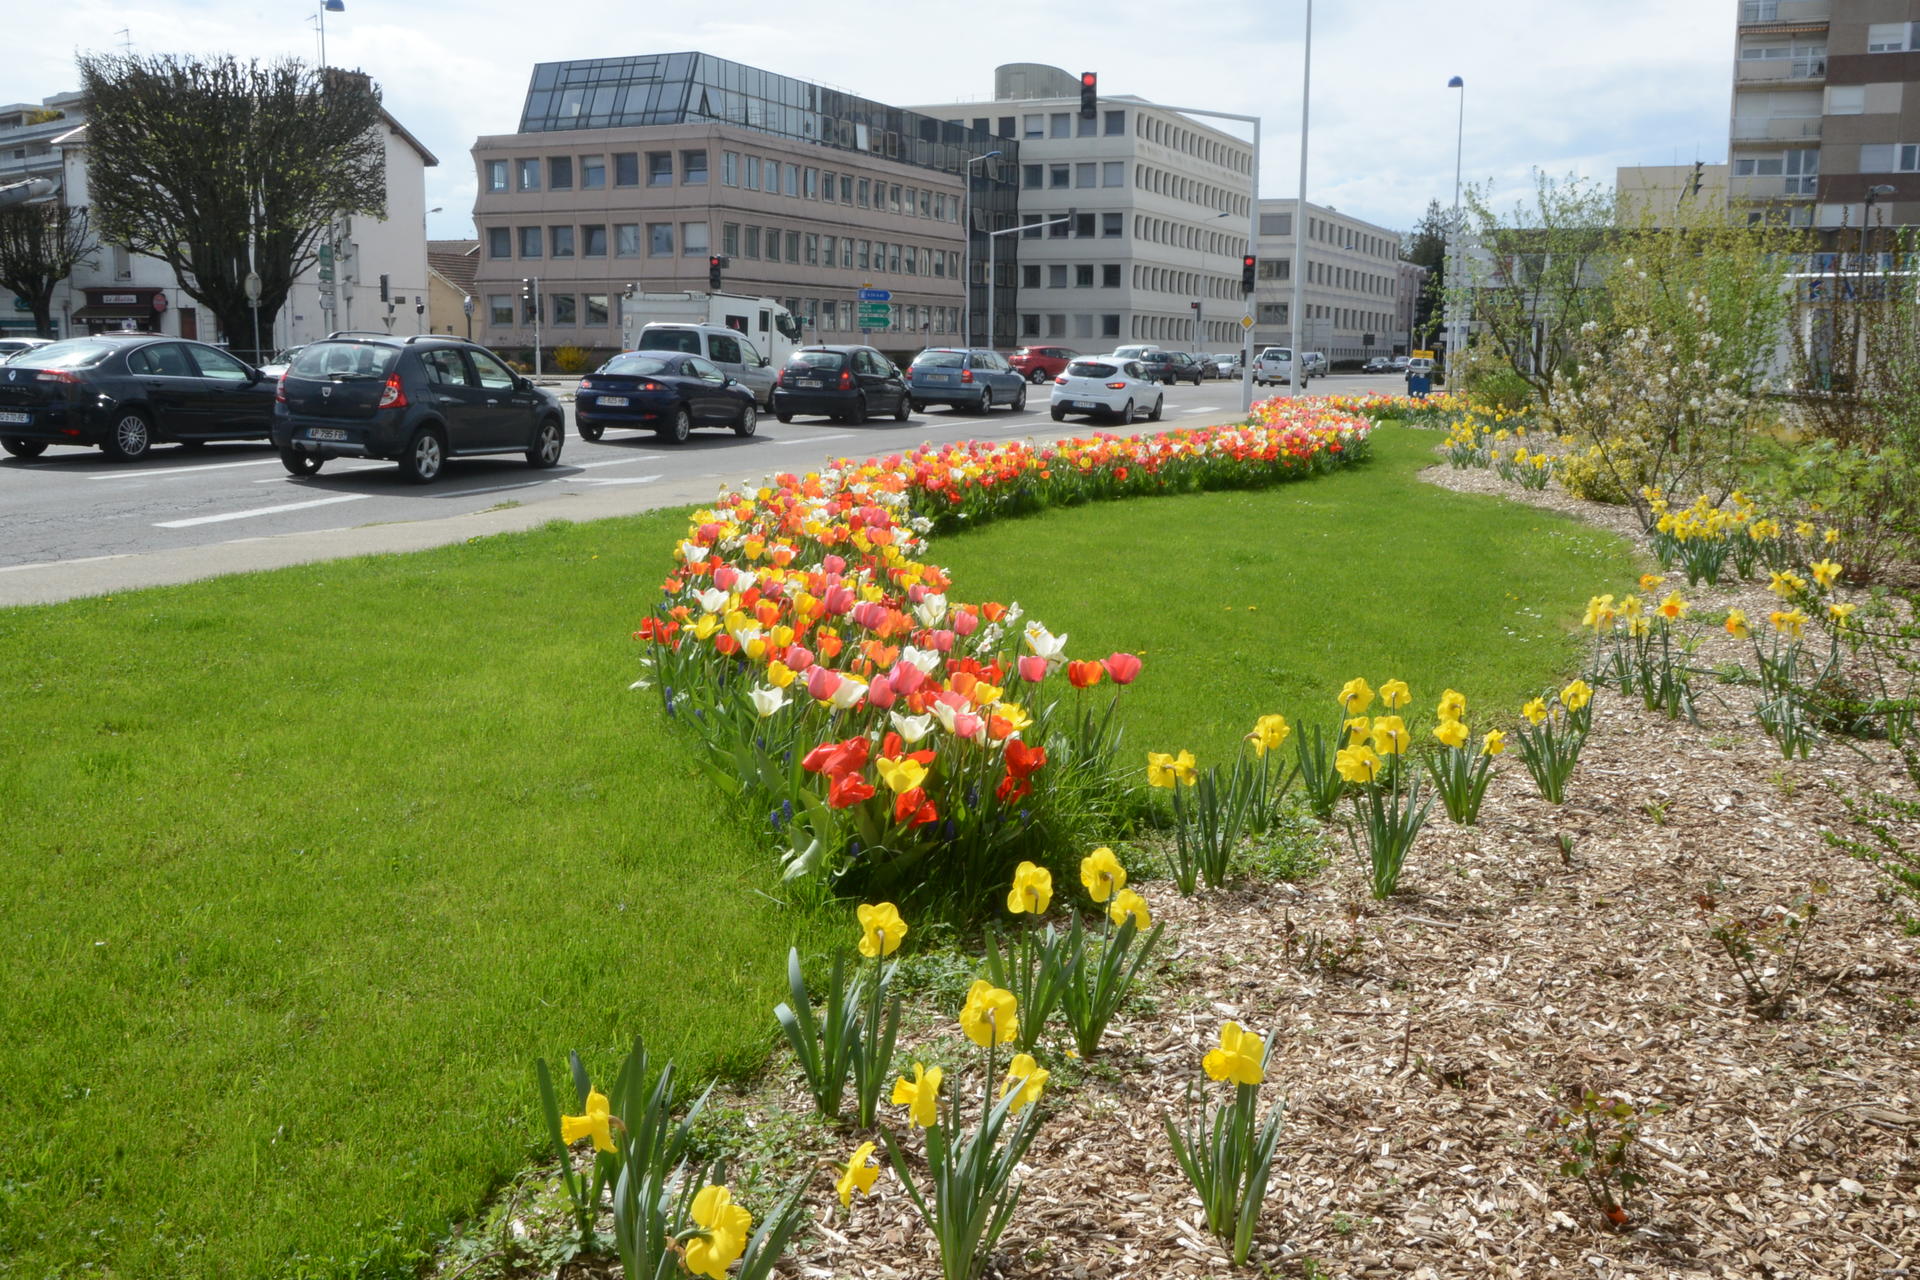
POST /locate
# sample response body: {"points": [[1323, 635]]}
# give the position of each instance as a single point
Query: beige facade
{"points": [[1359, 295], [1655, 190], [593, 212]]}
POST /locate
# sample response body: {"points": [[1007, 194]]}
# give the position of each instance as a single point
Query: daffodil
{"points": [[1831, 537], [988, 1018], [1238, 1058], [1673, 608], [1842, 615], [1786, 584], [1737, 624], [1494, 743], [1102, 874], [1535, 711], [858, 1175], [722, 1236], [1356, 695], [1576, 695], [881, 929], [1128, 903], [1032, 889], [920, 1095], [1451, 733], [1165, 770], [1268, 733], [1651, 582], [1789, 622], [1359, 729], [596, 1124], [1026, 1076], [1395, 695], [1825, 572], [1357, 763], [1453, 705], [1389, 736]]}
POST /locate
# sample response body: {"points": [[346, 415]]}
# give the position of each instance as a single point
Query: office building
{"points": [[1359, 295]]}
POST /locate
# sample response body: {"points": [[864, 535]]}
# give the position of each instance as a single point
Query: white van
{"points": [[733, 351], [1274, 365]]}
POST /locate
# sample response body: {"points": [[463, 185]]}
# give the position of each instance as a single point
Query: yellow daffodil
{"points": [[1673, 608], [1357, 763], [1164, 770], [1652, 582], [1576, 695], [1804, 528], [1359, 729], [1737, 624], [1238, 1057], [1026, 1076], [1395, 695], [1831, 537], [1268, 733], [1535, 711], [1102, 874], [1786, 584], [903, 774], [1451, 733], [1825, 572], [1600, 613], [1128, 903], [723, 1233], [1453, 705], [920, 1095], [881, 929], [595, 1124], [1356, 695], [988, 1016], [1389, 736], [1842, 615], [1494, 743], [857, 1176], [1632, 607], [1032, 889], [1789, 622]]}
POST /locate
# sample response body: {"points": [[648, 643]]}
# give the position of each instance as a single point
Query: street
{"points": [[185, 511]]}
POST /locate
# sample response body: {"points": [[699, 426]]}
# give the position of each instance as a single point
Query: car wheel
{"points": [[749, 420], [986, 400], [1059, 414], [1037, 377], [548, 439], [917, 406], [1126, 414], [680, 428], [301, 464], [783, 415], [1196, 379], [132, 436], [589, 430], [1019, 399], [426, 454], [23, 448], [900, 410], [1158, 405], [858, 414]]}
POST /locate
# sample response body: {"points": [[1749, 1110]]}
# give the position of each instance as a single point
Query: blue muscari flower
{"points": [[775, 819], [947, 831], [853, 847], [786, 809]]}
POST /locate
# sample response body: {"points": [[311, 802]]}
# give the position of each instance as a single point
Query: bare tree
{"points": [[40, 245], [193, 160]]}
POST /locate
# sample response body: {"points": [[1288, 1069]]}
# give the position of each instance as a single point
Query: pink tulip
{"points": [[1033, 668], [869, 614], [916, 593], [839, 600], [834, 564], [906, 678], [880, 693], [1123, 667], [966, 622], [822, 681], [942, 640], [799, 657], [725, 576], [967, 725]]}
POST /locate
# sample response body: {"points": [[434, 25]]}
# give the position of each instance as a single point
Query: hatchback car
{"points": [[969, 378], [845, 383], [1157, 363], [125, 393], [663, 392], [417, 400], [1379, 364], [1042, 364], [1182, 364], [1228, 363], [1275, 365], [1107, 386]]}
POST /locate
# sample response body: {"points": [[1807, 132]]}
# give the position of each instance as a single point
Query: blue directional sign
{"points": [[876, 295]]}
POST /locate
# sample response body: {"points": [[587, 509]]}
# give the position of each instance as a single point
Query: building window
{"points": [[893, 198], [729, 168], [910, 260], [1848, 100], [1032, 176], [753, 242], [846, 189], [1062, 124], [593, 242], [1083, 225], [693, 240], [529, 242], [1890, 37], [500, 308], [659, 168], [560, 307], [793, 242], [626, 169], [560, 241], [1083, 278], [1086, 174], [496, 176], [626, 240], [1088, 126], [1116, 125], [908, 201], [773, 246], [730, 239], [753, 173], [865, 258], [1113, 173], [1059, 175], [793, 179], [827, 188], [893, 258], [1029, 275], [659, 239], [1110, 323], [1030, 322], [1112, 224], [1057, 325], [1057, 276], [560, 173], [693, 168], [528, 175], [1061, 227], [593, 173], [1110, 275], [499, 242], [1276, 224], [846, 252], [597, 310], [813, 250], [813, 183], [1034, 126]]}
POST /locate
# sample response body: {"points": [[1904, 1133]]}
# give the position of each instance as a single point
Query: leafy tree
{"points": [[40, 245], [191, 159], [1427, 247]]}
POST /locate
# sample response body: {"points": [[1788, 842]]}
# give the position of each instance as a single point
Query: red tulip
{"points": [[1123, 667], [848, 789], [913, 809], [1084, 675], [1023, 760]]}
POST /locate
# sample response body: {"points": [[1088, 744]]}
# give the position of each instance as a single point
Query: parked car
{"points": [[1107, 386], [127, 392], [1182, 364], [1228, 363], [970, 379], [278, 365], [845, 383], [1157, 363], [663, 392], [1400, 364], [1275, 365], [1042, 364], [1315, 362], [1209, 367], [10, 347], [1379, 364], [417, 401], [729, 350]]}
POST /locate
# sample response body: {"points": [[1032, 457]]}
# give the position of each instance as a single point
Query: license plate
{"points": [[325, 433], [1086, 404], [806, 382], [939, 377], [613, 402], [20, 419]]}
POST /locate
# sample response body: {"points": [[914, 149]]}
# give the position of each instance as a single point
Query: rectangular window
{"points": [[893, 258], [893, 198], [1033, 176], [773, 177], [626, 240], [729, 168], [926, 203], [911, 260], [1083, 277], [753, 242], [1110, 275], [1110, 324], [793, 243], [730, 239], [773, 246], [496, 175], [1057, 325], [827, 188], [753, 173], [693, 168], [1116, 123], [500, 308], [863, 193], [560, 306], [1276, 224], [907, 203], [593, 241], [1887, 37], [813, 250], [1034, 126], [1082, 226], [1057, 276], [813, 183], [693, 240], [1846, 100], [1029, 322], [528, 175], [1113, 173], [1029, 275], [1061, 228], [1086, 174], [1088, 127], [1059, 175], [865, 257], [1006, 127], [659, 168], [1111, 225], [626, 169], [598, 312], [846, 189], [1083, 326], [659, 239], [560, 173], [1030, 228], [593, 173], [529, 242], [793, 179], [846, 252], [1062, 123], [499, 242], [560, 241]]}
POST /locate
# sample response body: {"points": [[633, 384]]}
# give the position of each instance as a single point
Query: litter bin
{"points": [[1419, 385]]}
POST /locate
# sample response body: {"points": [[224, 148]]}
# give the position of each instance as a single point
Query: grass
{"points": [[303, 868]]}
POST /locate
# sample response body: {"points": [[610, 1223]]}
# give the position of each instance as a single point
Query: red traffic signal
{"points": [[1089, 94], [1247, 265], [713, 272]]}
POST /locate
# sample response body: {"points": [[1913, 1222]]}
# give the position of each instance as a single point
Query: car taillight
{"points": [[846, 379], [393, 395], [54, 375], [780, 379], [966, 375], [1116, 386], [1061, 380], [650, 386], [280, 390]]}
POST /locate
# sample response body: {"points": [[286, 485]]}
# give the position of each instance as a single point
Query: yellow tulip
{"points": [[1268, 733], [881, 929], [1128, 903], [920, 1095], [1494, 743], [595, 1124], [723, 1233], [1026, 1076], [903, 774], [1395, 695], [1356, 695], [857, 1176], [780, 675], [1014, 714], [1535, 711], [1451, 733], [1357, 763], [1032, 889], [705, 626], [988, 1017], [1102, 874], [1389, 736], [1238, 1057], [1576, 695]]}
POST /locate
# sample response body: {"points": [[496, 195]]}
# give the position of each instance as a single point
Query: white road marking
{"points": [[615, 462], [186, 471], [836, 435], [496, 488], [261, 511], [1205, 408], [619, 480]]}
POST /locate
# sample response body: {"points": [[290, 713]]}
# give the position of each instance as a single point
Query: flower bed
{"points": [[873, 722]]}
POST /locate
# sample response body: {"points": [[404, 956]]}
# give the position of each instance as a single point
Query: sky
{"points": [[1562, 86]]}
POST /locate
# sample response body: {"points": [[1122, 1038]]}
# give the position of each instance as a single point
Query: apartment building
{"points": [[1826, 111], [1358, 298], [1159, 206], [630, 174]]}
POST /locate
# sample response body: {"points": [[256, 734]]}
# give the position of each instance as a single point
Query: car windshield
{"points": [[1090, 369], [639, 366], [939, 360], [344, 361], [816, 360], [78, 354], [670, 340]]}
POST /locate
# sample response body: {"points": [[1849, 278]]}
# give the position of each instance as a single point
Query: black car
{"points": [[126, 393], [845, 383], [664, 392], [1157, 363], [418, 400], [1379, 364], [1182, 365]]}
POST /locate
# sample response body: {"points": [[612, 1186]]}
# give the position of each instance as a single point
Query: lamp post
{"points": [[992, 249], [1866, 218], [320, 19], [1299, 325], [966, 268], [1453, 256], [530, 290]]}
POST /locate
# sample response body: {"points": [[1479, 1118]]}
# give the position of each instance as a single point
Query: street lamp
{"points": [[1298, 372], [1453, 257], [1866, 218], [530, 292], [966, 269], [991, 254], [320, 17]]}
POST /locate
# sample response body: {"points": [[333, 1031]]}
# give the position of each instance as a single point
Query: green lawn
{"points": [[303, 868]]}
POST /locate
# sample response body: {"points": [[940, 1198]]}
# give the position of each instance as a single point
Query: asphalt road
{"points": [[74, 522]]}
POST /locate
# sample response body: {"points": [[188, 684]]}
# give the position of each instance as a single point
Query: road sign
{"points": [[253, 286], [878, 314], [1246, 322], [876, 295], [326, 275]]}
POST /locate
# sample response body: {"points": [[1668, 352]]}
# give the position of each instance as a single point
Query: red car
{"points": [[1042, 364]]}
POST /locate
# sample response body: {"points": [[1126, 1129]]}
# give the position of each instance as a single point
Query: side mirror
{"points": [[726, 380], [522, 384]]}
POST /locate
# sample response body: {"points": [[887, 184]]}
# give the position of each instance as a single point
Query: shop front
{"points": [[116, 310]]}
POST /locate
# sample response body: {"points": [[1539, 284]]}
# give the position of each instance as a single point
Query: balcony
{"points": [[1771, 188], [1751, 71], [1779, 129], [1767, 13]]}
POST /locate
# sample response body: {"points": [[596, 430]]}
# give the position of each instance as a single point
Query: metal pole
{"points": [[993, 251], [537, 308], [1252, 299], [1300, 222], [1453, 258]]}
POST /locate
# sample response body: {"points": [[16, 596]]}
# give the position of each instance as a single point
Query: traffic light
{"points": [[713, 272], [1089, 94], [1247, 265], [383, 288]]}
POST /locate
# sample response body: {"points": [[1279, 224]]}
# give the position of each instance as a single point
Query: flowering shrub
{"points": [[875, 722]]}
